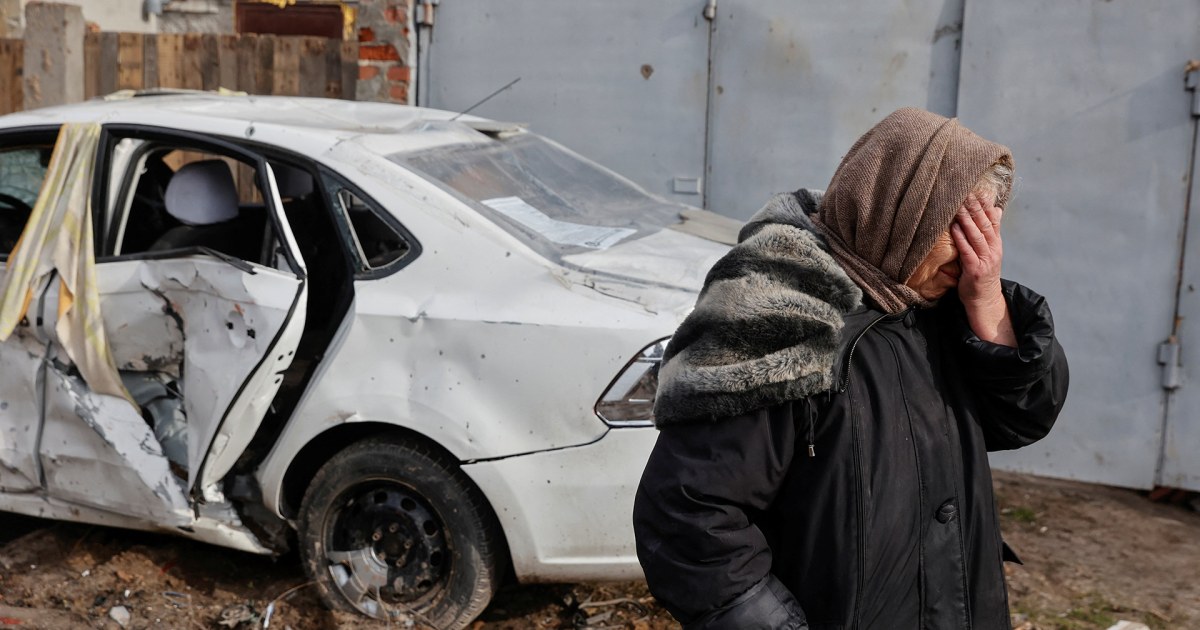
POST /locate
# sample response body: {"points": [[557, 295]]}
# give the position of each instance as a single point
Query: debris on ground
{"points": [[1095, 557], [119, 614]]}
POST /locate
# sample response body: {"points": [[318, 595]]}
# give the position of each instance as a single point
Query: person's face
{"points": [[939, 272]]}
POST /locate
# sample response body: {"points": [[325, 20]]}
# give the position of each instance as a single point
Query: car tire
{"points": [[393, 528]]}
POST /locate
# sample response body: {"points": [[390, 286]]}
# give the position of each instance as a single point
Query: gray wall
{"points": [[768, 94]]}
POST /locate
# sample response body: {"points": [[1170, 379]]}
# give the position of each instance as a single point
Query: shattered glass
{"points": [[552, 199]]}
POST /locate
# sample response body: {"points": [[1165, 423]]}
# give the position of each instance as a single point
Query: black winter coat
{"points": [[869, 506]]}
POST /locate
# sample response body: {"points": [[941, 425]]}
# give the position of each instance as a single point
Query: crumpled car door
{"points": [[21, 173], [225, 328]]}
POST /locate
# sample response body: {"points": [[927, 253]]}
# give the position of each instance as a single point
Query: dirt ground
{"points": [[1093, 556]]}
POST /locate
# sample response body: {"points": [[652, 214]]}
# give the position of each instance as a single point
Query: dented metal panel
{"points": [[225, 530], [97, 450], [201, 318], [20, 367], [459, 347], [568, 513]]}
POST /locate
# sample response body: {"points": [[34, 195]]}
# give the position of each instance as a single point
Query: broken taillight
{"points": [[629, 399]]}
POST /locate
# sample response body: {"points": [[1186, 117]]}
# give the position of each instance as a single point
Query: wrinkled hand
{"points": [[976, 234]]}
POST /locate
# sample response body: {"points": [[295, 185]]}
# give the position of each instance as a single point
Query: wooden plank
{"points": [[17, 95], [350, 71], [227, 62], [150, 62], [193, 61], [247, 63], [264, 79], [333, 70], [312, 66], [170, 60], [131, 74], [286, 69], [210, 69], [109, 61], [91, 65], [12, 60]]}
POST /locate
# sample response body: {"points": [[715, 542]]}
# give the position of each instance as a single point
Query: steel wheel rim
{"points": [[386, 548]]}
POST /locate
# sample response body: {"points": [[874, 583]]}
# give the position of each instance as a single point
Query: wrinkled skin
{"points": [[968, 256]]}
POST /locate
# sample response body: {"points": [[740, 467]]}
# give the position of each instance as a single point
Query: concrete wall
{"points": [[113, 15]]}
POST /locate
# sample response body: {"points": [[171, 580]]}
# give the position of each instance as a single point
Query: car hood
{"points": [[662, 271]]}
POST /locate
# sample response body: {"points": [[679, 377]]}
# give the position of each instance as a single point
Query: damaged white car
{"points": [[422, 347]]}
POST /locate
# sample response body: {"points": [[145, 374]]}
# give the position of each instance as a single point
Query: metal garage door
{"points": [[622, 82], [767, 94], [1090, 96], [795, 84]]}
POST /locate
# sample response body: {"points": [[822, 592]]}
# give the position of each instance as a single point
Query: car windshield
{"points": [[552, 199]]}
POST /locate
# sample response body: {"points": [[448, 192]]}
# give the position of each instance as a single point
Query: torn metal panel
{"points": [[97, 450], [227, 320], [20, 365], [218, 530]]}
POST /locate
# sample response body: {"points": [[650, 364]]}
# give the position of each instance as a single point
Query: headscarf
{"points": [[895, 192]]}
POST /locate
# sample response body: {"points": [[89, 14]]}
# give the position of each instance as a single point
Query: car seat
{"points": [[202, 196]]}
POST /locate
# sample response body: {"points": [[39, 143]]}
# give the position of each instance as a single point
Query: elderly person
{"points": [[826, 410]]}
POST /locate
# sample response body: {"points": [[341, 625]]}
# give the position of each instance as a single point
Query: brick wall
{"points": [[384, 70]]}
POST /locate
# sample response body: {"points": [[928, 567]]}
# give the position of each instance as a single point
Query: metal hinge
{"points": [[710, 10], [1191, 81], [1169, 358], [425, 13]]}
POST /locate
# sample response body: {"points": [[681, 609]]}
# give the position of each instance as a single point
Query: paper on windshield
{"points": [[561, 232]]}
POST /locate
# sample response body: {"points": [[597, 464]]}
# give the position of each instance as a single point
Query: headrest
{"points": [[291, 181], [202, 193]]}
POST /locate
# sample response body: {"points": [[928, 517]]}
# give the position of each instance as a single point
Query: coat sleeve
{"points": [[705, 559], [1021, 390]]}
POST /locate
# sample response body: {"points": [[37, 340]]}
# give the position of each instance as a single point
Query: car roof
{"points": [[329, 119]]}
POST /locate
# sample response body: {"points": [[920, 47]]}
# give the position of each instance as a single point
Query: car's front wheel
{"points": [[391, 528]]}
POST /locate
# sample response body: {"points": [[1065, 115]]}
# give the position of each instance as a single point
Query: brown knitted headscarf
{"points": [[896, 190]]}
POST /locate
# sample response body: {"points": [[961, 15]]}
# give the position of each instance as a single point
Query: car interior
{"points": [[22, 168]]}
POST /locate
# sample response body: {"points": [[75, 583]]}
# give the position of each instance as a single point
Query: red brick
{"points": [[399, 93], [365, 34], [366, 73], [395, 14], [378, 52], [399, 73]]}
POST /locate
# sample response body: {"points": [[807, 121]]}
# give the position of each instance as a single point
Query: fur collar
{"points": [[766, 324]]}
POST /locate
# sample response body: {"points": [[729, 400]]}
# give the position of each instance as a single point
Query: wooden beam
{"points": [[109, 62], [286, 68], [131, 52], [227, 62], [312, 66], [91, 65], [170, 60], [12, 60], [193, 62]]}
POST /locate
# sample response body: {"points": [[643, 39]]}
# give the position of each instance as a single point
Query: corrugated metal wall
{"points": [[723, 103]]}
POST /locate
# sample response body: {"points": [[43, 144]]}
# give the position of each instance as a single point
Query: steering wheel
{"points": [[16, 203]]}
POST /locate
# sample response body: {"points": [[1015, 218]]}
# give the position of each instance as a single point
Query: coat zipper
{"points": [[862, 514], [858, 472], [850, 355]]}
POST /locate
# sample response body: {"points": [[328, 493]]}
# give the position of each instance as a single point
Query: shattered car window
{"points": [[21, 174], [552, 199]]}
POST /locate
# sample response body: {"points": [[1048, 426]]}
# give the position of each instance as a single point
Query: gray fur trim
{"points": [[766, 324]]}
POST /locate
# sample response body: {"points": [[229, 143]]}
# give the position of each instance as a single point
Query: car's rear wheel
{"points": [[391, 528]]}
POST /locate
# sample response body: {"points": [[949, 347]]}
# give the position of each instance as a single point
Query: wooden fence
{"points": [[257, 64], [12, 89]]}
